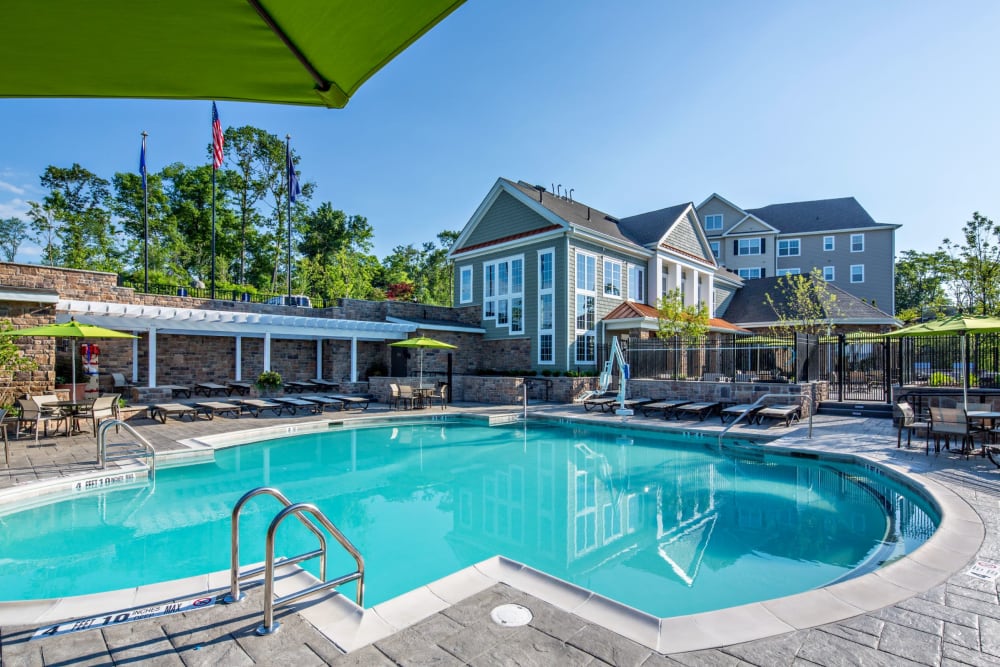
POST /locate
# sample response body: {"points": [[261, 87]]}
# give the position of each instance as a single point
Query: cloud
{"points": [[14, 208], [10, 187]]}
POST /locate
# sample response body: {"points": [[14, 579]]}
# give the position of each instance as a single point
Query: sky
{"points": [[635, 105]]}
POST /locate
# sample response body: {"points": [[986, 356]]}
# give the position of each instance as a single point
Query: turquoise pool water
{"points": [[669, 526]]}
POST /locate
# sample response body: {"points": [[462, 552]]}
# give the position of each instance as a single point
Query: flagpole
{"points": [[217, 141], [145, 219], [288, 258], [213, 229]]}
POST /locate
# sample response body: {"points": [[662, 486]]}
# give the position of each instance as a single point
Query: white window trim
{"points": [[739, 244], [584, 291], [608, 261], [465, 278], [788, 242], [716, 248], [512, 295], [507, 298], [748, 269], [640, 287], [862, 236], [833, 274], [546, 291], [789, 272], [833, 243], [713, 216], [489, 299], [858, 266]]}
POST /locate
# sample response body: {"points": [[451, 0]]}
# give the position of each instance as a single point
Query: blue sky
{"points": [[634, 105]]}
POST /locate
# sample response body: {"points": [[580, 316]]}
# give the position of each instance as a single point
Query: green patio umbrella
{"points": [[311, 52], [71, 329], [422, 342], [956, 325]]}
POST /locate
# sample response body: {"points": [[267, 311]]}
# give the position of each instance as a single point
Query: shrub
{"points": [[939, 379], [269, 381]]}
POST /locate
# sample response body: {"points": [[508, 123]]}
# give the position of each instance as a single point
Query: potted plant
{"points": [[269, 383]]}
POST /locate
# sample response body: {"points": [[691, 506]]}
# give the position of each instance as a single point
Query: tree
{"points": [[337, 259], [12, 232], [974, 267], [921, 279], [689, 322], [12, 362], [426, 268], [803, 303], [73, 223], [249, 150]]}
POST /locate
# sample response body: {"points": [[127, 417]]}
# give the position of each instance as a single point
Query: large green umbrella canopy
{"points": [[422, 342], [956, 325], [312, 52], [71, 329]]}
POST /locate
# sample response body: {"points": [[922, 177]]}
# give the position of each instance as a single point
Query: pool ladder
{"points": [[119, 451], [301, 512]]}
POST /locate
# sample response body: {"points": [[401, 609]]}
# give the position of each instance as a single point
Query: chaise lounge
{"points": [[734, 412], [212, 408], [788, 413], [255, 406], [208, 388], [162, 410], [293, 404], [604, 402], [351, 402], [667, 407], [701, 409]]}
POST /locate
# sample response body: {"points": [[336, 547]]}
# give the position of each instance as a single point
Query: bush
{"points": [[269, 381], [939, 379]]}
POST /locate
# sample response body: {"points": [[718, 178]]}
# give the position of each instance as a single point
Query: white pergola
{"points": [[153, 320]]}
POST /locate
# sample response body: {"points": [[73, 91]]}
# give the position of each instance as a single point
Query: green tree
{"points": [[803, 303], [426, 268], [12, 363], [251, 168], [336, 249], [12, 232], [973, 266], [73, 222], [921, 279], [687, 321], [165, 243]]}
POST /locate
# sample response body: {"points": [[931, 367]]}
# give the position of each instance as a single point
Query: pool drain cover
{"points": [[511, 615]]}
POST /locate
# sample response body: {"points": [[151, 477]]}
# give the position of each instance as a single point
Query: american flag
{"points": [[217, 138]]}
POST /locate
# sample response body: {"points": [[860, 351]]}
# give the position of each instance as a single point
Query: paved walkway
{"points": [[955, 623]]}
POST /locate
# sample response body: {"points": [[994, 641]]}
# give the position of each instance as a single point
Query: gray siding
{"points": [[877, 259], [506, 217], [723, 295], [732, 261], [730, 215], [750, 226], [684, 237]]}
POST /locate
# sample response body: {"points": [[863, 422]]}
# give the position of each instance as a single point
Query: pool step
{"points": [[856, 409]]}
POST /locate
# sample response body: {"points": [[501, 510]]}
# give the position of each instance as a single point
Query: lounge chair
{"points": [[604, 402], [701, 409], [788, 413], [177, 390], [236, 387], [322, 402], [633, 403], [733, 412], [352, 402], [255, 406], [325, 384], [299, 386], [208, 387], [162, 410], [667, 407], [293, 404], [212, 408]]}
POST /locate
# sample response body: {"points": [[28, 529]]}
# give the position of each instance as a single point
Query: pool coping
{"points": [[955, 542]]}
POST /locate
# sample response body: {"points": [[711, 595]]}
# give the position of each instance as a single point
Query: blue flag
{"points": [[293, 181], [142, 164]]}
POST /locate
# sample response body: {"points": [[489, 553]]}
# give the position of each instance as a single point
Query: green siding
{"points": [[506, 217]]}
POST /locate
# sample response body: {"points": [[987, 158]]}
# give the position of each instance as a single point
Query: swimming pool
{"points": [[669, 526]]}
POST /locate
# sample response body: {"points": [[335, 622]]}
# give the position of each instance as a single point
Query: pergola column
{"points": [[267, 350], [354, 358], [238, 371], [152, 356]]}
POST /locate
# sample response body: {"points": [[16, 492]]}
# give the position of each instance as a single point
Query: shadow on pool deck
{"points": [[957, 622]]}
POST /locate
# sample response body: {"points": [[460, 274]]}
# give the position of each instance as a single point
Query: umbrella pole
{"points": [[965, 374]]}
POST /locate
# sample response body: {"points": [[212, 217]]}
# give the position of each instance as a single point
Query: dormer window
{"points": [[713, 223]]}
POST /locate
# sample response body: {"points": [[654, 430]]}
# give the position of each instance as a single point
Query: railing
{"points": [[131, 450], [227, 294], [299, 510]]}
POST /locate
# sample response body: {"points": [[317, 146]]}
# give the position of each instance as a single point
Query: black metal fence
{"points": [[228, 294]]}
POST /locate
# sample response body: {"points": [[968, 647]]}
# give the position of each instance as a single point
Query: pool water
{"points": [[669, 526]]}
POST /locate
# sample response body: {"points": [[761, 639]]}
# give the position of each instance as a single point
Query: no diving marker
{"points": [[144, 613]]}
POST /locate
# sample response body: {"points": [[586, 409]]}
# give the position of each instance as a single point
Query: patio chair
{"points": [[393, 396], [952, 422], [38, 416], [3, 432], [103, 407], [405, 395], [441, 395], [119, 385], [909, 422]]}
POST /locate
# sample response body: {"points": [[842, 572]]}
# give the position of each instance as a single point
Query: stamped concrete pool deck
{"points": [[928, 611]]}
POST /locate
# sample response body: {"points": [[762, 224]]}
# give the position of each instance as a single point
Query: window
{"points": [[503, 292], [489, 291], [748, 246], [857, 273], [828, 274], [788, 272], [612, 278], [754, 272], [586, 288], [546, 307], [857, 242], [716, 248], [828, 243], [516, 295], [713, 222], [788, 248], [465, 284], [637, 283]]}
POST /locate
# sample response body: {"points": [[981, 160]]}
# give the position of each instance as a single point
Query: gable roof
{"points": [[572, 211], [632, 310], [818, 215], [649, 228], [748, 306]]}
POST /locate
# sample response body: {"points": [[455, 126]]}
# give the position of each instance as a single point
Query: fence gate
{"points": [[859, 366]]}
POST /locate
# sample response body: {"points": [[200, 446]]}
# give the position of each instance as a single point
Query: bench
{"points": [[208, 387], [212, 408], [162, 410]]}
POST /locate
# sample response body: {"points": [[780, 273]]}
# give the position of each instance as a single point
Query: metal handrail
{"points": [[743, 414], [299, 510], [148, 451]]}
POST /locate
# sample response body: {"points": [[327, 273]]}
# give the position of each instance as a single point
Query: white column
{"points": [[267, 351], [654, 278], [319, 358], [354, 359], [152, 357], [135, 359], [710, 294], [691, 298], [675, 279], [238, 372]]}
